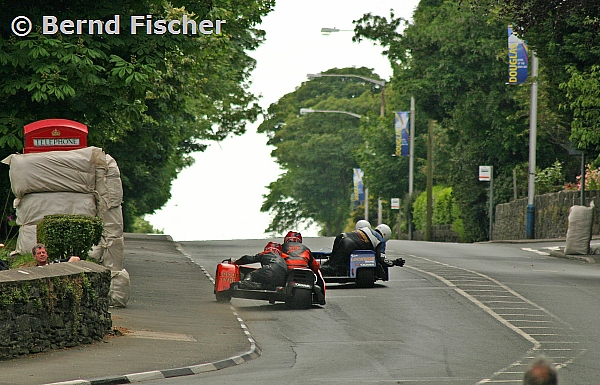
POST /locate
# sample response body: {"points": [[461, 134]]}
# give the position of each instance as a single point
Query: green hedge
{"points": [[67, 235], [445, 210]]}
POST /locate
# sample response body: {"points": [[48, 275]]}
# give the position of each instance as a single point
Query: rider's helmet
{"points": [[384, 230], [292, 236], [273, 247], [362, 223]]}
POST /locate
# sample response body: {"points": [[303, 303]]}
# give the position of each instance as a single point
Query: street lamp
{"points": [[305, 111], [328, 31], [380, 83]]}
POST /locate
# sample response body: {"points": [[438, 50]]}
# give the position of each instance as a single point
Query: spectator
{"points": [[540, 372], [41, 256]]}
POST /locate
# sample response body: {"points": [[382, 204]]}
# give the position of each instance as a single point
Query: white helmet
{"points": [[385, 231], [362, 223]]}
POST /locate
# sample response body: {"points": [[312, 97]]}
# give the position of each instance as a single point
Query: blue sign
{"points": [[401, 121], [518, 58]]}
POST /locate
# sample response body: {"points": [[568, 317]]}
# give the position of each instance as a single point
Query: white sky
{"points": [[220, 196]]}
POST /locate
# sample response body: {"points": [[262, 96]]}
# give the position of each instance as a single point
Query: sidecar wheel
{"points": [[365, 278], [302, 299], [223, 296]]}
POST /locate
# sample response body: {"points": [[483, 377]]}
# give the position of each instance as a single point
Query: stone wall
{"points": [[51, 307], [551, 215], [439, 233]]}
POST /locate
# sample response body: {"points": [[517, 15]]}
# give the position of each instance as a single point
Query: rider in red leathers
{"points": [[296, 254]]}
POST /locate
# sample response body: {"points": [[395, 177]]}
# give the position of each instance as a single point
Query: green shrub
{"points": [[445, 210], [67, 235]]}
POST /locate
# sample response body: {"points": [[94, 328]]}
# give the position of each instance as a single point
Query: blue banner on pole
{"points": [[359, 190], [401, 121], [518, 58]]}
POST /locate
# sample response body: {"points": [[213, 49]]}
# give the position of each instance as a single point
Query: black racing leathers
{"points": [[271, 274]]}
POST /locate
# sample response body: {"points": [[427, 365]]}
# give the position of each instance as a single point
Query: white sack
{"points": [[55, 171], [108, 184], [112, 253], [120, 290], [96, 253], [579, 232], [27, 239], [33, 207], [113, 222]]}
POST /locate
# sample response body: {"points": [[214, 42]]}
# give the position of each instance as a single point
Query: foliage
{"points": [[592, 179], [453, 59], [67, 235], [549, 179], [445, 210], [149, 100], [141, 225], [583, 92], [317, 151]]}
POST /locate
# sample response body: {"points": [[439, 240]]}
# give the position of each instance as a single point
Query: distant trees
{"points": [[318, 151]]}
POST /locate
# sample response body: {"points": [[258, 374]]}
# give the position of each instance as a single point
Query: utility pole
{"points": [[411, 163], [530, 225], [429, 219]]}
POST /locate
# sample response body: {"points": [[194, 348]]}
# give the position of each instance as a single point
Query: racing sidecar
{"points": [[363, 269], [303, 288]]}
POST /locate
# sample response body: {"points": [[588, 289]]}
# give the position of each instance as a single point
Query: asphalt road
{"points": [[455, 314]]}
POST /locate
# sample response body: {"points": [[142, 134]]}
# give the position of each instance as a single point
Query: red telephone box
{"points": [[54, 135]]}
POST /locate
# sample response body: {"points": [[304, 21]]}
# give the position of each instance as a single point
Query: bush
{"points": [[67, 235], [445, 210]]}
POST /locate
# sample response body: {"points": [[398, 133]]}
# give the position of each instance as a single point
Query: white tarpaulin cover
{"points": [[108, 184], [113, 222], [33, 207], [85, 181], [54, 171], [112, 257], [26, 239]]}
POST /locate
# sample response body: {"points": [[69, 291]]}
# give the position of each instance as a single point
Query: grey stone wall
{"points": [[551, 215], [51, 307], [439, 233]]}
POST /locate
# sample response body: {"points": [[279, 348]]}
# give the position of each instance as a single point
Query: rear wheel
{"points": [[223, 296], [302, 299], [365, 277]]}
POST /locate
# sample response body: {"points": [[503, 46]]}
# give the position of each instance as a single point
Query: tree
{"points": [[148, 99], [317, 151], [453, 59], [565, 37]]}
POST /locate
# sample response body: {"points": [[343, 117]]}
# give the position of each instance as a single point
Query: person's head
{"points": [[293, 236], [385, 231], [362, 223], [540, 372], [40, 254], [273, 247]]}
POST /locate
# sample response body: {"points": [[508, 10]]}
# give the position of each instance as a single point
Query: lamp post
{"points": [[380, 83], [328, 31], [305, 111]]}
